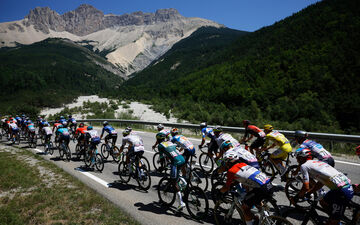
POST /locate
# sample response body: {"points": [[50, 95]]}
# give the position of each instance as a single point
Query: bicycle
{"points": [[80, 149], [196, 176], [137, 169], [196, 201], [205, 161], [64, 150], [268, 167], [15, 138], [32, 140], [228, 210], [49, 147], [160, 162], [93, 158], [309, 215], [109, 148]]}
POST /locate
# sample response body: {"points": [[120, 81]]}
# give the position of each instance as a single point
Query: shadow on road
{"points": [[121, 186]]}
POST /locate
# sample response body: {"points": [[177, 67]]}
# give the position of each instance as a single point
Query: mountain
{"points": [[299, 73], [129, 41], [50, 73]]}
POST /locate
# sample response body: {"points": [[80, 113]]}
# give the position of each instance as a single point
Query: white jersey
{"points": [[244, 154], [226, 137], [47, 130], [135, 141], [324, 173], [13, 125]]}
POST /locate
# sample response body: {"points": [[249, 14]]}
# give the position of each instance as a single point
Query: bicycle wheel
{"points": [[68, 153], [267, 168], [206, 163], [116, 154], [145, 163], [157, 162], [18, 138], [144, 179], [99, 162], [166, 191], [292, 188], [77, 151], [87, 159], [290, 172], [214, 190], [33, 142], [228, 214], [275, 220], [124, 172], [61, 150], [196, 202], [269, 205], [105, 150], [50, 148], [199, 179]]}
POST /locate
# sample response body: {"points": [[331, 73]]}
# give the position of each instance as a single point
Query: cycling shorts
{"points": [[258, 143], [111, 136], [187, 153], [175, 168], [132, 153], [338, 200], [256, 195], [281, 153], [255, 165]]}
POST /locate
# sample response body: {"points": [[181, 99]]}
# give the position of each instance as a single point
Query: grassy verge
{"points": [[34, 191]]}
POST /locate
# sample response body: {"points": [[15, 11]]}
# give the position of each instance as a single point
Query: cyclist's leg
{"points": [[277, 158]]}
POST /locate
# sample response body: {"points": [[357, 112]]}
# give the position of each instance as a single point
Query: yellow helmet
{"points": [[268, 127]]}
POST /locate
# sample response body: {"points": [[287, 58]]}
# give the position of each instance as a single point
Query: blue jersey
{"points": [[317, 150], [182, 142], [62, 120], [208, 132], [63, 131], [109, 129]]}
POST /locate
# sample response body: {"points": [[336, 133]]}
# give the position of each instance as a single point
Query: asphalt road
{"points": [[144, 205]]}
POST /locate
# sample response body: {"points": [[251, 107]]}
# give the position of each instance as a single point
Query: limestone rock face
{"points": [[129, 41]]}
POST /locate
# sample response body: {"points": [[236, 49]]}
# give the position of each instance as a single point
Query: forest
{"points": [[299, 73]]}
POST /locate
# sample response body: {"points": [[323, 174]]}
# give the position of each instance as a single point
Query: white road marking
{"points": [[349, 163], [93, 177], [38, 150]]}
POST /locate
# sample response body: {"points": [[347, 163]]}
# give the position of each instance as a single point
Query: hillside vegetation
{"points": [[50, 73], [300, 73]]}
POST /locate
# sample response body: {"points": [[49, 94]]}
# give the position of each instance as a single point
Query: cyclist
{"points": [[256, 183], [135, 146], [161, 129], [208, 132], [62, 119], [243, 155], [92, 139], [358, 151], [38, 121], [284, 147], [14, 129], [63, 134], [30, 127], [80, 133], [46, 130], [220, 138], [317, 150], [72, 122], [18, 120], [184, 144], [177, 161], [253, 131], [112, 134], [341, 190]]}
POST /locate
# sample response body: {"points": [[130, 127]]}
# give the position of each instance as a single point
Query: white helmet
{"points": [[231, 156], [160, 126]]}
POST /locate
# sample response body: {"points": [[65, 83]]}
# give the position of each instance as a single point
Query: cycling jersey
{"points": [[93, 137], [182, 142], [81, 130], [62, 121], [109, 129], [47, 130], [324, 173], [71, 121], [245, 155], [135, 141], [246, 175], [317, 150], [254, 130], [226, 137], [63, 131], [169, 149], [13, 127], [207, 132]]}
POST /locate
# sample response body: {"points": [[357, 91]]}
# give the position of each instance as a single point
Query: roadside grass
{"points": [[35, 191]]}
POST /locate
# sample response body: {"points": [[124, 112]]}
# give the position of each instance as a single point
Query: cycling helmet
{"points": [[60, 126], [226, 145], [246, 123], [160, 126], [268, 127], [217, 129], [70, 116], [29, 121], [160, 136], [129, 129], [61, 117], [105, 123], [203, 124], [303, 153], [301, 134], [81, 125], [231, 156], [174, 131], [126, 132], [64, 123], [89, 128]]}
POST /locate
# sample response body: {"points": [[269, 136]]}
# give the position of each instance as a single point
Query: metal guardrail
{"points": [[290, 134]]}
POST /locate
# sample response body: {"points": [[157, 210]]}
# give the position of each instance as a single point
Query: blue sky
{"points": [[248, 15]]}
